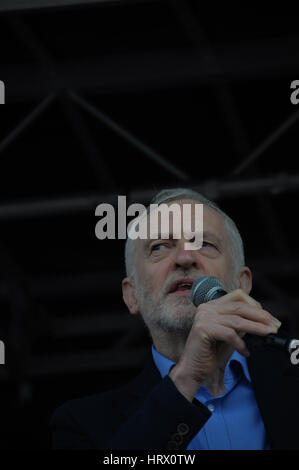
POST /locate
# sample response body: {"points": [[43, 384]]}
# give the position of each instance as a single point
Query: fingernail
{"points": [[273, 328]]}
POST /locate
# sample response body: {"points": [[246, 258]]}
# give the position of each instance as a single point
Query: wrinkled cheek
{"points": [[148, 296], [150, 289]]}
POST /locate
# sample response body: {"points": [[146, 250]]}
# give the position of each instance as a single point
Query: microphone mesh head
{"points": [[206, 288]]}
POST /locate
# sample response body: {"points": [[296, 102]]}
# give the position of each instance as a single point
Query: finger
{"points": [[247, 326], [244, 310], [229, 336], [239, 295]]}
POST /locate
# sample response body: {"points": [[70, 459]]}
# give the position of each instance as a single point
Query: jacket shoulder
{"points": [[92, 418]]}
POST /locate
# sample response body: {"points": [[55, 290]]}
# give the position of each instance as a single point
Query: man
{"points": [[202, 388]]}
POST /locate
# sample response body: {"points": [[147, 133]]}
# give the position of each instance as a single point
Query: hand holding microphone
{"points": [[208, 288], [219, 324]]}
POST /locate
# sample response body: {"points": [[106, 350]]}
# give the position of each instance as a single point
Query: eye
{"points": [[209, 248], [204, 243], [158, 247]]}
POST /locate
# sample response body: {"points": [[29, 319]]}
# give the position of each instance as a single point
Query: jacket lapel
{"points": [[141, 385]]}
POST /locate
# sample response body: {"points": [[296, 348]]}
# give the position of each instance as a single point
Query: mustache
{"points": [[174, 277]]}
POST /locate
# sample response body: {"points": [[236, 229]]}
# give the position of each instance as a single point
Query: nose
{"points": [[185, 258]]}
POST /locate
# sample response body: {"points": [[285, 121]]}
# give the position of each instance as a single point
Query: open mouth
{"points": [[181, 287]]}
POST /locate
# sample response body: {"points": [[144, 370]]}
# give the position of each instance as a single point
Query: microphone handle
{"points": [[285, 344], [277, 341]]}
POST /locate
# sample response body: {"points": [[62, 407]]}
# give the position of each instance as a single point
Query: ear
{"points": [[245, 279], [129, 295]]}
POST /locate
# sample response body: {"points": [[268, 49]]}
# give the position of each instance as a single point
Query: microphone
{"points": [[207, 288]]}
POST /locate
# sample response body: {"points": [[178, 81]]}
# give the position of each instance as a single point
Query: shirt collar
{"points": [[164, 364], [241, 360]]}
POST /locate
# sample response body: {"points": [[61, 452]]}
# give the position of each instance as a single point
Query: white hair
{"points": [[167, 195]]}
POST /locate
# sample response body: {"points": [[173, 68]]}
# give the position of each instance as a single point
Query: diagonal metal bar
{"points": [[85, 138], [263, 146], [9, 5], [206, 53], [232, 119], [20, 29], [162, 69], [41, 53], [27, 121], [241, 143], [126, 135]]}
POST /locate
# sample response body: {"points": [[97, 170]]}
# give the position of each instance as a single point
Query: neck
{"points": [[171, 345]]}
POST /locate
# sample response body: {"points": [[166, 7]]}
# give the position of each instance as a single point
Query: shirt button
{"points": [[211, 407]]}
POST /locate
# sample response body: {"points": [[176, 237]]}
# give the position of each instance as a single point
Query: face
{"points": [[165, 272]]}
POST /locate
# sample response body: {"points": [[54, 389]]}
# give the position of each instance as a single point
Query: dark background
{"points": [[110, 98]]}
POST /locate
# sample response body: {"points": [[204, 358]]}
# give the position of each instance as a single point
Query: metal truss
{"points": [[23, 5], [137, 72], [213, 189], [64, 85]]}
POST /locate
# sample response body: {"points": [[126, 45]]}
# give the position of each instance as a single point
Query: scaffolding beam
{"points": [[213, 189], [156, 70], [23, 5]]}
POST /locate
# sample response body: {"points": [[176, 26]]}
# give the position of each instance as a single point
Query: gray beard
{"points": [[169, 313]]}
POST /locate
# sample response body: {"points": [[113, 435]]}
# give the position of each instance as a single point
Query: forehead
{"points": [[213, 222]]}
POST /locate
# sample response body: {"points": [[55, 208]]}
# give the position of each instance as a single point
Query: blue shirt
{"points": [[235, 422]]}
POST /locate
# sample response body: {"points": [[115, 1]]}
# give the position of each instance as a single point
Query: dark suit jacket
{"points": [[149, 413]]}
